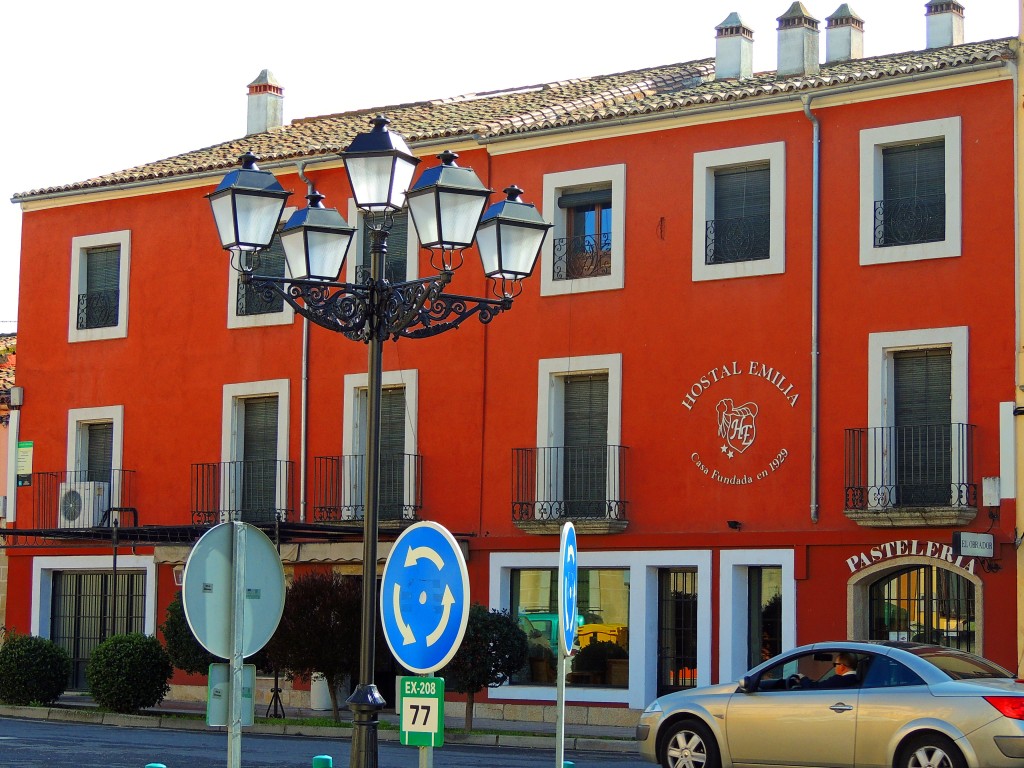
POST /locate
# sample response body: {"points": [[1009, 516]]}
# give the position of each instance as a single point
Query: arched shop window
{"points": [[928, 604]]}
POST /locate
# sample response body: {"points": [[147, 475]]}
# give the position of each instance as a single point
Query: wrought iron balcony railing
{"points": [[79, 500], [908, 220], [98, 309], [929, 465], [563, 483], [727, 241], [249, 491], [582, 256], [338, 494]]}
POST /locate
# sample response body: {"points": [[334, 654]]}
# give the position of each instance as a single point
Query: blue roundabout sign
{"points": [[567, 593], [424, 597]]}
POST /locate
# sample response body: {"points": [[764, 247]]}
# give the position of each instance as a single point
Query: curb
{"points": [[165, 722]]}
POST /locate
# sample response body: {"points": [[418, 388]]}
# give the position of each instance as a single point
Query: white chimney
{"points": [[734, 49], [945, 19], [844, 35], [266, 104], [798, 42]]}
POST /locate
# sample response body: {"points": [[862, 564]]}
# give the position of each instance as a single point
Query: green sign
{"points": [[23, 463], [421, 711]]}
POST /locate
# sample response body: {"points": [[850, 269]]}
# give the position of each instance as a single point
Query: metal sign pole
{"points": [[237, 659], [560, 713]]}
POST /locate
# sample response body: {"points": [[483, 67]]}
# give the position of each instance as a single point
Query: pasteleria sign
{"points": [[739, 408], [910, 548]]}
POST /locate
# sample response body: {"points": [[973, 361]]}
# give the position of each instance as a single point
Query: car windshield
{"points": [[959, 665]]}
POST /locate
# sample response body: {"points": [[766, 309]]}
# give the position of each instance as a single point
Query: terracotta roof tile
{"points": [[672, 88]]}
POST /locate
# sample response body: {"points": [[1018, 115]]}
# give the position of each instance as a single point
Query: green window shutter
{"points": [[922, 435], [395, 264], [259, 458], [585, 467], [99, 452], [251, 301], [586, 410], [99, 302], [922, 388], [914, 170], [741, 228]]}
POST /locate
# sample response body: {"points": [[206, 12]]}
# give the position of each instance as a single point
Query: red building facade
{"points": [[765, 364]]}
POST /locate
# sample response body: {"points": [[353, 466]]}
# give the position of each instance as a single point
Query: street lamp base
{"points": [[365, 702]]}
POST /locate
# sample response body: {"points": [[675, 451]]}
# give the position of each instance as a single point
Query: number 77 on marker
{"points": [[421, 711]]}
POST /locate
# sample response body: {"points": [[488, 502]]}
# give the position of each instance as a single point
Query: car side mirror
{"points": [[748, 684]]}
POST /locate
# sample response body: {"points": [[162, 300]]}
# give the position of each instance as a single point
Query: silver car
{"points": [[908, 706]]}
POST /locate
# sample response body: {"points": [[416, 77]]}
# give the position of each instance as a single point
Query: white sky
{"points": [[95, 87]]}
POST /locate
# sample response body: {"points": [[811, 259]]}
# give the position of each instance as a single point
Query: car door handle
{"points": [[840, 707]]}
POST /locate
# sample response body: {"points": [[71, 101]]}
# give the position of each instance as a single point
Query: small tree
{"points": [[493, 649], [32, 669], [320, 630], [127, 673], [186, 653]]}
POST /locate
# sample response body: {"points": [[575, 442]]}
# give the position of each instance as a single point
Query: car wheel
{"points": [[931, 750], [690, 745]]}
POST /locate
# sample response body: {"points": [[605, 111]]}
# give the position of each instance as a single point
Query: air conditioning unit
{"points": [[82, 504]]}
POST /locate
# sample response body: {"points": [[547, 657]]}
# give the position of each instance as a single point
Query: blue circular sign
{"points": [[424, 597], [567, 573]]}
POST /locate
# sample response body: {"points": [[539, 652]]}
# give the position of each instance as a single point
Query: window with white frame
{"points": [[586, 249], [918, 442], [250, 307], [401, 262], [255, 471], [99, 286], [910, 191], [739, 207], [757, 604], [398, 494], [93, 482], [579, 435], [624, 588]]}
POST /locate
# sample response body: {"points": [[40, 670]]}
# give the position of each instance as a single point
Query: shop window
{"points": [[764, 613], [677, 629], [602, 626], [926, 604]]}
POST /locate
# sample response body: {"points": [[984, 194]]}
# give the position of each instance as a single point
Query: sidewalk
{"points": [[506, 733]]}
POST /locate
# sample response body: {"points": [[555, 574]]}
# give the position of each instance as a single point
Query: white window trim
{"points": [[704, 166], [881, 376], [550, 394], [881, 347], [79, 246], [354, 382], [78, 420], [230, 446], [643, 566], [732, 605], [551, 377], [412, 246], [554, 185], [872, 142], [42, 584], [285, 317]]}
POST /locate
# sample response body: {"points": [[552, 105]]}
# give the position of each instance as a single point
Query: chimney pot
{"points": [[734, 49], [945, 23], [844, 35], [798, 42], [266, 104]]}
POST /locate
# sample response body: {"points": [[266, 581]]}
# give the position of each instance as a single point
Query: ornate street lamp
{"points": [[446, 206]]}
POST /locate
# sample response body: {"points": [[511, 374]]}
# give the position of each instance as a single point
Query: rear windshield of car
{"points": [[961, 666]]}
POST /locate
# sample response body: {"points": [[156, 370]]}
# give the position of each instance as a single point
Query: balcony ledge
{"points": [[912, 517], [553, 526]]}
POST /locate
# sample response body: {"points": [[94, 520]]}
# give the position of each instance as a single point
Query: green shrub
{"points": [[32, 670], [185, 652], [127, 673], [594, 657]]}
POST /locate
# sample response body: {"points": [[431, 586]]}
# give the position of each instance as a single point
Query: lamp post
{"points": [[447, 208]]}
